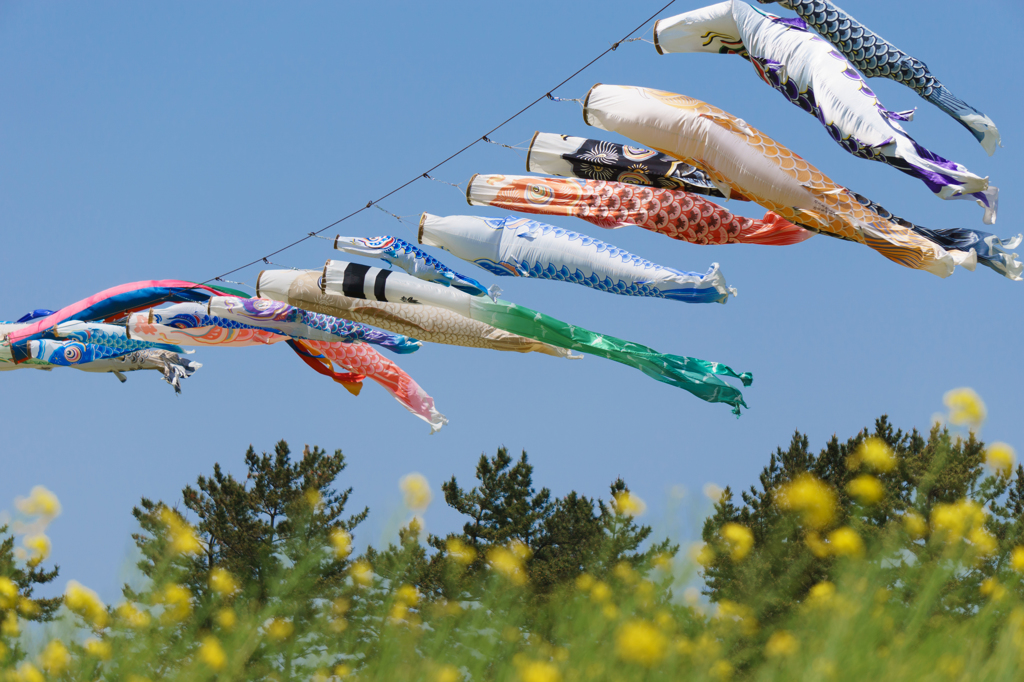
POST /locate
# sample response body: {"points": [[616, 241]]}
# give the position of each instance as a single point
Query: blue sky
{"points": [[142, 141]]}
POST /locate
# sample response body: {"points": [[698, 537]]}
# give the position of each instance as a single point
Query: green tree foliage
{"points": [[267, 531], [930, 475], [21, 602], [558, 538]]}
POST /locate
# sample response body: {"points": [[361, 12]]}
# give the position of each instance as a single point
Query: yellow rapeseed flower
{"points": [[874, 453], [342, 670], [313, 498], [86, 603], [866, 489], [812, 499], [9, 625], [915, 525], [27, 607], [1017, 559], [1000, 457], [992, 588], [181, 536], [226, 618], [8, 593], [222, 582], [845, 542], [600, 592], [584, 582], [638, 641], [341, 541], [362, 573], [956, 519], [625, 573], [507, 563], [447, 673], [460, 551], [539, 671], [713, 492], [628, 504], [781, 644], [721, 670], [280, 629], [38, 546], [965, 407], [408, 595], [55, 657], [132, 616], [739, 540], [178, 601], [984, 543], [702, 554], [29, 673], [821, 594], [40, 502], [416, 491], [98, 648], [212, 653]]}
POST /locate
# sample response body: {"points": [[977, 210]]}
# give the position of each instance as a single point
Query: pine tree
{"points": [[562, 537], [927, 473], [25, 577], [264, 530]]}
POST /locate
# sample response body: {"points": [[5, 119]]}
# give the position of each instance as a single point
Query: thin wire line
{"points": [[547, 95]]}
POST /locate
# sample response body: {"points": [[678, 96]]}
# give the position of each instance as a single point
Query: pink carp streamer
{"points": [[361, 358], [674, 213]]}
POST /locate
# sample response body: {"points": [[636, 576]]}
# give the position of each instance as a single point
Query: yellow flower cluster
{"points": [[639, 641], [416, 491], [133, 616], [781, 644], [86, 603], [54, 658], [841, 542], [537, 671], [40, 502], [1000, 457], [98, 648], [181, 537], [341, 541], [738, 539], [222, 582], [177, 601], [510, 561], [965, 408], [406, 597], [212, 653], [866, 489], [8, 593], [361, 573], [957, 519], [460, 551], [628, 504], [873, 453], [809, 497], [280, 629]]}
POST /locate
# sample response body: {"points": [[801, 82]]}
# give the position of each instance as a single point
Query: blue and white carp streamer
{"points": [[519, 247]]}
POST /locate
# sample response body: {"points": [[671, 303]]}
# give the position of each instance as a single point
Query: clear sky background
{"points": [[179, 140]]}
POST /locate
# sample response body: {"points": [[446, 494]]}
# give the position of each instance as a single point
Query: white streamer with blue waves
{"points": [[519, 247]]}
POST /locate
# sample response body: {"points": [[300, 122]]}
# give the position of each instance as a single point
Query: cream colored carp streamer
{"points": [[301, 288], [743, 159], [811, 74], [699, 377]]}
